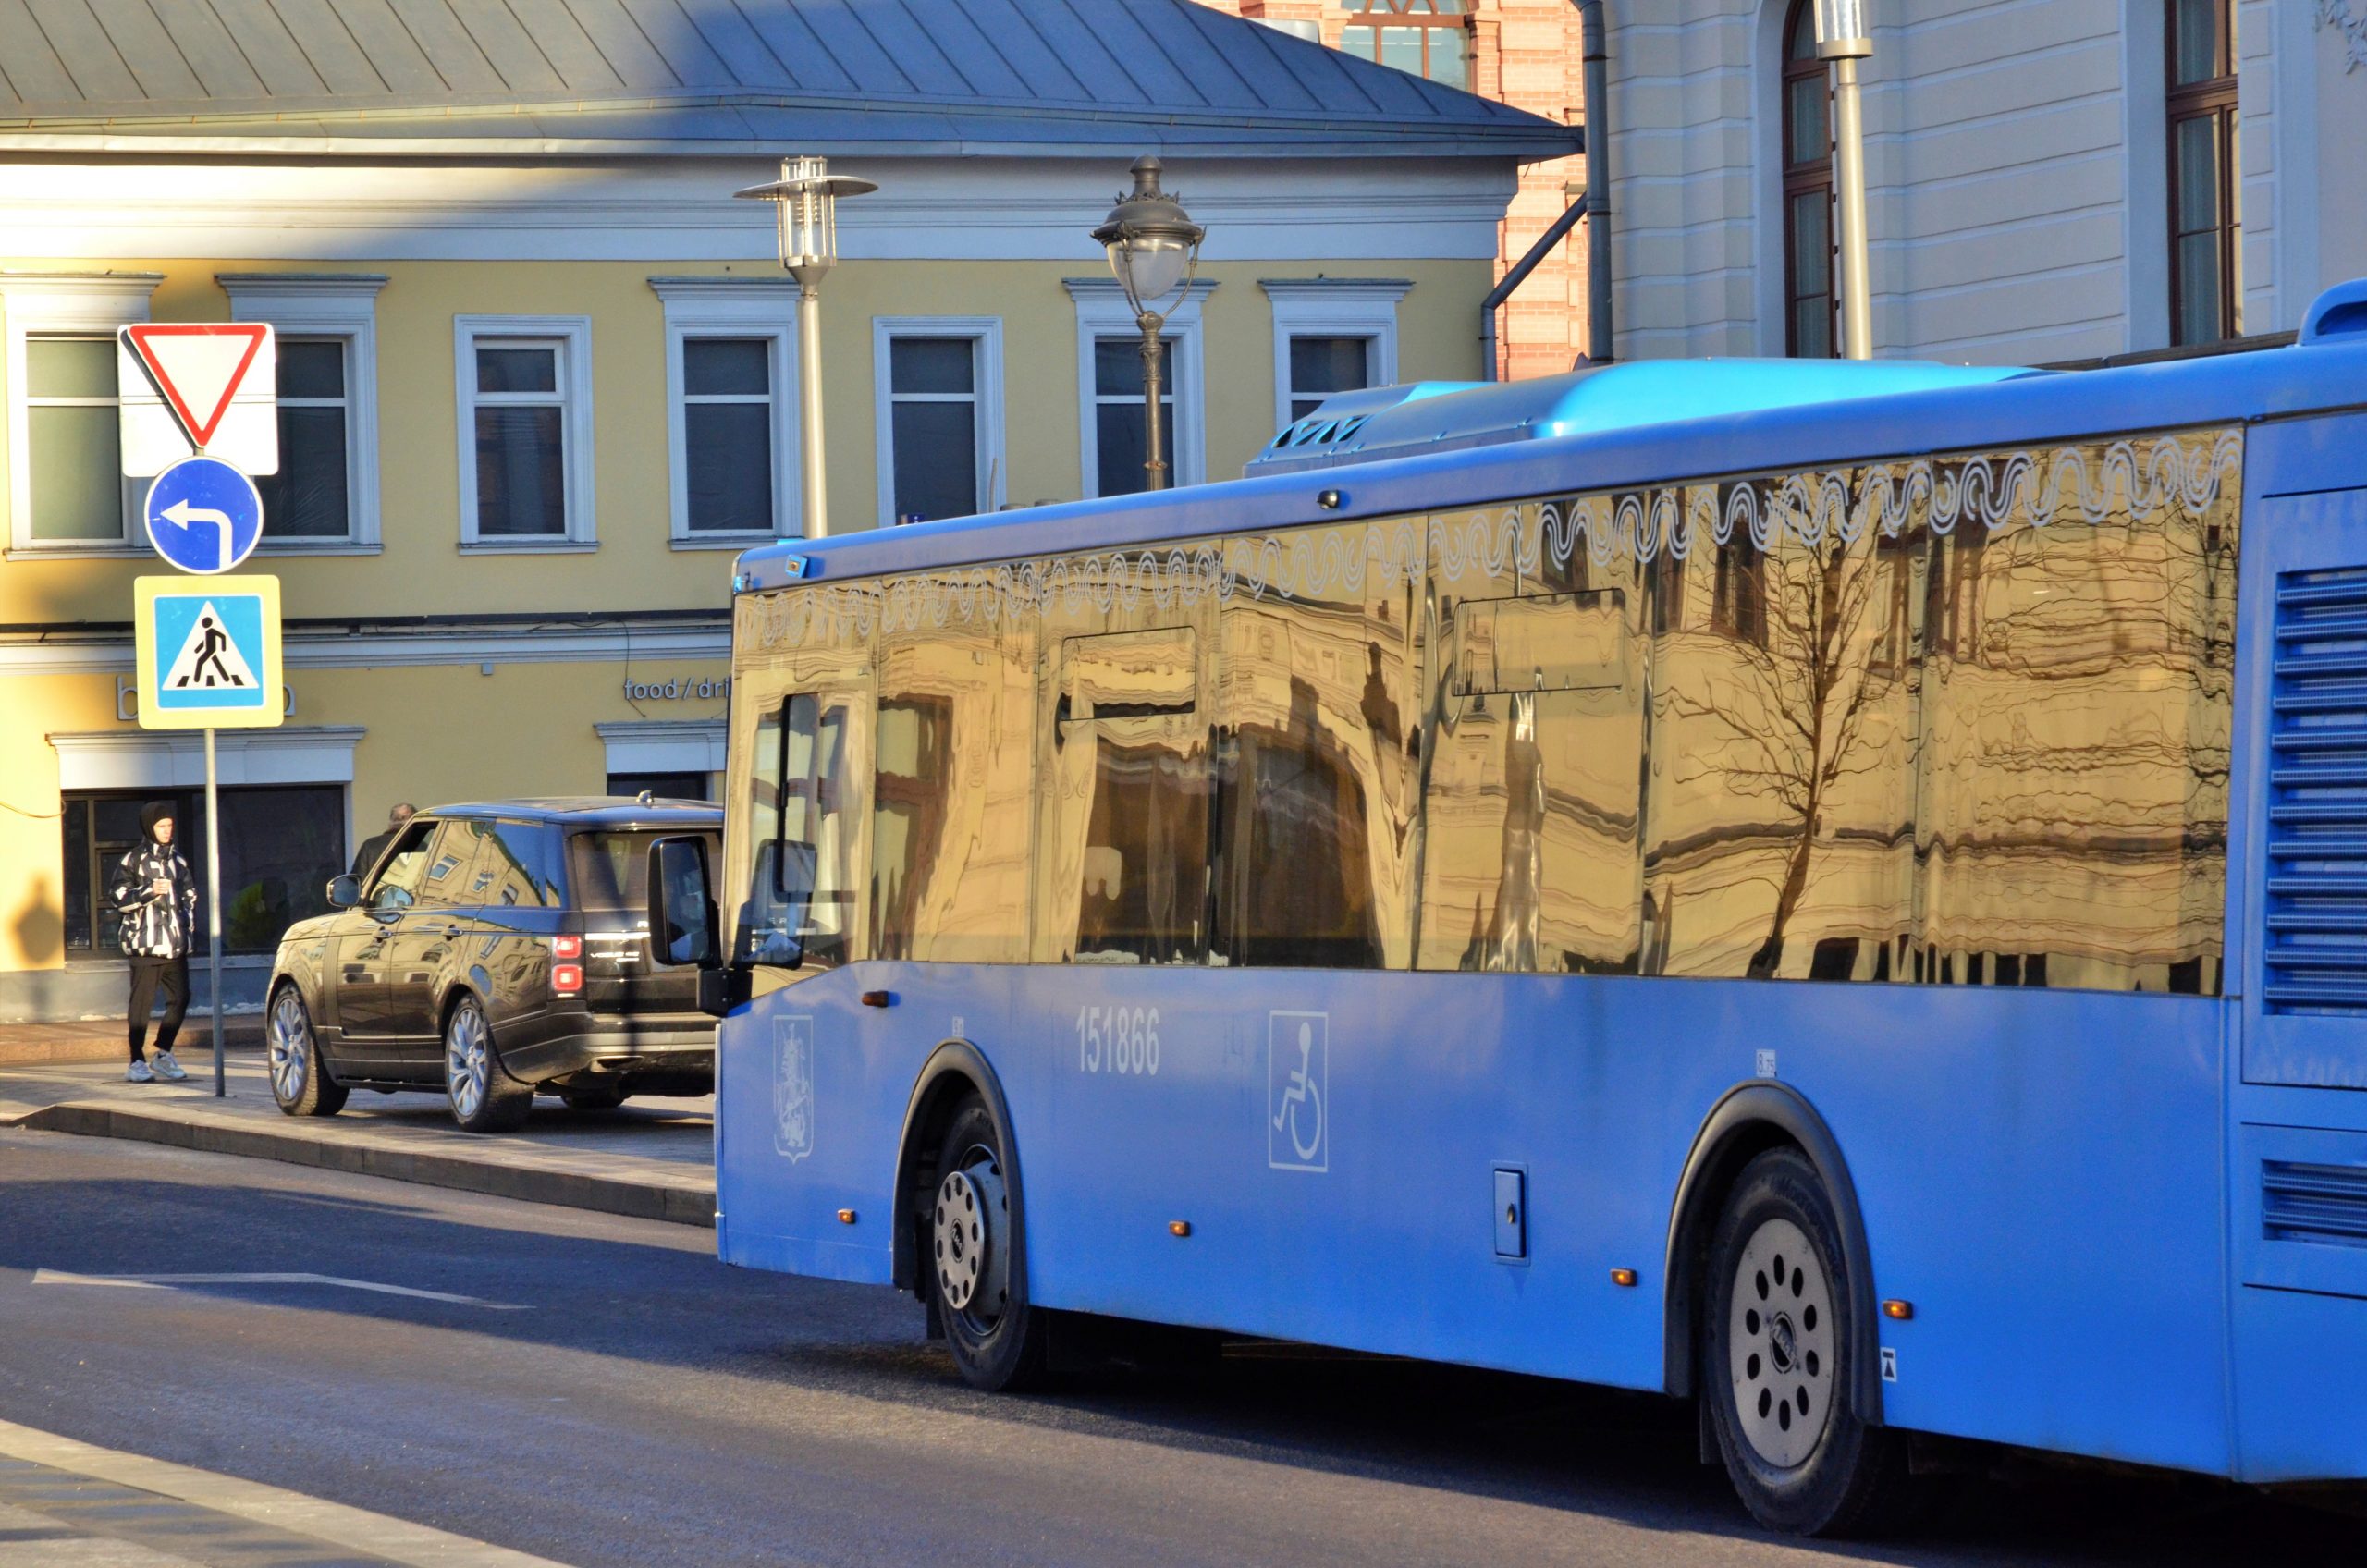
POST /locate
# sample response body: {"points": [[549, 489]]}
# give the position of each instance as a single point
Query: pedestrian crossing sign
{"points": [[208, 652]]}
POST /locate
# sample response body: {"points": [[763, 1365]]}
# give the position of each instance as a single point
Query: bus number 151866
{"points": [[1117, 1040]]}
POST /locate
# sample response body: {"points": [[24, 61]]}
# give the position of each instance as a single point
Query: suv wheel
{"points": [[484, 1099], [300, 1081]]}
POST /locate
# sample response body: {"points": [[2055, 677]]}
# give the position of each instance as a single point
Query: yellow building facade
{"points": [[538, 390]]}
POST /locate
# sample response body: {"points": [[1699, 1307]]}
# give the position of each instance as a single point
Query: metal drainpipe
{"points": [[1596, 84], [1516, 277]]}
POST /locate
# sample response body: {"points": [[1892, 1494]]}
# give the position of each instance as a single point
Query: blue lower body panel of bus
{"points": [[2042, 1173]]}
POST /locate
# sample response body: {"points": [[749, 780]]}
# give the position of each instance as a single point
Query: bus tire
{"points": [[998, 1340], [1776, 1363]]}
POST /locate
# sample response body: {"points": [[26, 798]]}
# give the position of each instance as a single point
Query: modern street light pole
{"points": [[1154, 247], [806, 201], [1841, 38]]}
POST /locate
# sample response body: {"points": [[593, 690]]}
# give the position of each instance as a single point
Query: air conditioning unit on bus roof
{"points": [[1380, 422]]}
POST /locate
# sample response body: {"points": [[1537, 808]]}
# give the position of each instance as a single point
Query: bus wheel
{"points": [[1777, 1363], [999, 1342]]}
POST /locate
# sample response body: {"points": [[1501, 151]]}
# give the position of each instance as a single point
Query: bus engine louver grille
{"points": [[2326, 1204], [2316, 941]]}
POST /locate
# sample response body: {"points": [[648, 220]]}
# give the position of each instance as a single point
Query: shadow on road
{"points": [[1623, 1456]]}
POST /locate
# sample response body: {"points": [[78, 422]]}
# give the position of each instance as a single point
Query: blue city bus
{"points": [[1837, 891]]}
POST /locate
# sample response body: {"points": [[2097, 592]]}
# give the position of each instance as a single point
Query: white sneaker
{"points": [[139, 1073], [168, 1068]]}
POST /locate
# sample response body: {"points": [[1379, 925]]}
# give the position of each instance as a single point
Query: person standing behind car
{"points": [[157, 898], [376, 845]]}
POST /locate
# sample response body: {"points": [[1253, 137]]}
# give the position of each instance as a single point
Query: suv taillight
{"points": [[566, 966]]}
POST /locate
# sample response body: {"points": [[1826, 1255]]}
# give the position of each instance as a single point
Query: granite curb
{"points": [[493, 1170]]}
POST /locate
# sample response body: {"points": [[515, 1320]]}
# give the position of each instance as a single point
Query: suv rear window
{"points": [[610, 870]]}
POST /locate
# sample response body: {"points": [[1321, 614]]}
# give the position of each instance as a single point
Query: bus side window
{"points": [[1131, 753]]}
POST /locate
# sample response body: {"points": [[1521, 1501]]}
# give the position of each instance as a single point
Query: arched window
{"points": [[1430, 38], [1810, 329], [2206, 260]]}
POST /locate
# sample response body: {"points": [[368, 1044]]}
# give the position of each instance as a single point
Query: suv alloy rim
{"points": [[466, 1061], [1779, 1340], [290, 1047]]}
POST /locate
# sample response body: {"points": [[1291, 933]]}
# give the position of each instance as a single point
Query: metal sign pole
{"points": [[214, 904]]}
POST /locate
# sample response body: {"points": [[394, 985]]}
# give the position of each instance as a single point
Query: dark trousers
{"points": [[148, 975]]}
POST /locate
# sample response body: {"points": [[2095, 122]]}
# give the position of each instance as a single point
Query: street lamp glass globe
{"points": [[1150, 265]]}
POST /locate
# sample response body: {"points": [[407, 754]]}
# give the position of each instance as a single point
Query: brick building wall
{"points": [[1528, 54]]}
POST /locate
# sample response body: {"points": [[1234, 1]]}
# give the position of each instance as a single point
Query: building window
{"points": [[1331, 335], [1811, 331], [76, 454], [525, 386], [65, 485], [728, 435], [939, 380], [664, 786], [1109, 389], [1320, 366], [309, 498], [2206, 279], [325, 495], [1120, 404], [1428, 38], [731, 409]]}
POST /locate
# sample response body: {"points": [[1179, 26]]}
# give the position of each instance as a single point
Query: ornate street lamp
{"points": [[1154, 248], [1841, 38], [805, 200]]}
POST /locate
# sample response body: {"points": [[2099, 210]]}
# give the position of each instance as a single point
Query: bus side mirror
{"points": [[344, 891], [681, 905]]}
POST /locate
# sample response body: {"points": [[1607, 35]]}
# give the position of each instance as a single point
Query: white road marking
{"points": [[173, 1281], [356, 1530]]}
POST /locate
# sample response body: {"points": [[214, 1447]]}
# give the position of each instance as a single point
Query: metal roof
{"points": [[1049, 77]]}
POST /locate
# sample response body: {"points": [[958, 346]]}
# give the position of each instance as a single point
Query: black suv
{"points": [[492, 952]]}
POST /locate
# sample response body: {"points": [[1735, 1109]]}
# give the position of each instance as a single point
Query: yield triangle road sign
{"points": [[208, 652], [197, 387]]}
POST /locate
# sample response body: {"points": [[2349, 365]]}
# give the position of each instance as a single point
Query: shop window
{"points": [[525, 396], [2207, 233], [280, 847], [1426, 38], [940, 419]]}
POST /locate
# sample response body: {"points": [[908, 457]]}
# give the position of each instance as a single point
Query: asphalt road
{"points": [[627, 1400]]}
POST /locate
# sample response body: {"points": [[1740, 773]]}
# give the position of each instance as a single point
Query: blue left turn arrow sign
{"points": [[204, 515]]}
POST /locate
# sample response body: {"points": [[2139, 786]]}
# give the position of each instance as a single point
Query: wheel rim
{"points": [[1779, 1338], [290, 1047], [969, 1233], [466, 1059]]}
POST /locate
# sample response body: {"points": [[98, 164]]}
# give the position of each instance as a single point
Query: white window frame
{"points": [[1333, 307], [984, 334], [63, 305], [572, 337], [343, 306], [734, 307], [1102, 311]]}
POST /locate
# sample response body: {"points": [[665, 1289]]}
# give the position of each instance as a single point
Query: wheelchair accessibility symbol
{"points": [[1298, 1057]]}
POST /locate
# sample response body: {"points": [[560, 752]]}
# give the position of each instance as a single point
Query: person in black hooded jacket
{"points": [[157, 898]]}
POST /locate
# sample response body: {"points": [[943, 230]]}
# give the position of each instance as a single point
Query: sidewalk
{"points": [[653, 1159], [101, 1039]]}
